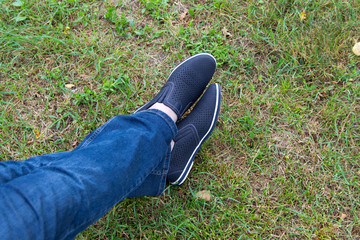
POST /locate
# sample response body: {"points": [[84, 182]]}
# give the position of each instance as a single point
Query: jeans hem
{"points": [[166, 117]]}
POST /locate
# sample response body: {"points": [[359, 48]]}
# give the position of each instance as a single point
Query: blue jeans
{"points": [[58, 195]]}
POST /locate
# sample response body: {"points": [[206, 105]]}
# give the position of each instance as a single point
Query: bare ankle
{"points": [[162, 107]]}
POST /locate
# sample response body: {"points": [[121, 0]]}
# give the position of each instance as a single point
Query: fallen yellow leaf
{"points": [[204, 194], [356, 49], [66, 30], [302, 16], [69, 85]]}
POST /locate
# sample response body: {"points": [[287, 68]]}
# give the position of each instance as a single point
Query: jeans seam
{"points": [[95, 134], [164, 173]]}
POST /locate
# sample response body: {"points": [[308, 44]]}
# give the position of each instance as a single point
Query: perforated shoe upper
{"points": [[185, 84], [192, 132]]}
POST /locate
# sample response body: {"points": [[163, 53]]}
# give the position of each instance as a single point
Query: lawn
{"points": [[283, 161]]}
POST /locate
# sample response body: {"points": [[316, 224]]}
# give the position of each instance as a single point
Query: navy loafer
{"points": [[185, 84], [192, 132]]}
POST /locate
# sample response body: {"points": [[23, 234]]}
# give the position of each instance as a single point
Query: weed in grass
{"points": [[122, 23], [209, 41], [87, 97], [156, 9]]}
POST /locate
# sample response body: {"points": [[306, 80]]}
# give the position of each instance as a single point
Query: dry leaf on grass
{"points": [[321, 95], [343, 216], [69, 85], [356, 49], [184, 14], [204, 195], [75, 143], [226, 32]]}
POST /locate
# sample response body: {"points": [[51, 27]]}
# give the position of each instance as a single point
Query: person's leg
{"points": [[64, 197], [183, 87], [10, 170]]}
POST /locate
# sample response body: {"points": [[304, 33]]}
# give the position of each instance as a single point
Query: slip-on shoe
{"points": [[185, 84], [193, 130]]}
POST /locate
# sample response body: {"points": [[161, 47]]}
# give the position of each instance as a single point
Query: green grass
{"points": [[283, 162]]}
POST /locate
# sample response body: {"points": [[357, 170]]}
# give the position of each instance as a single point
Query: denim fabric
{"points": [[56, 196]]}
